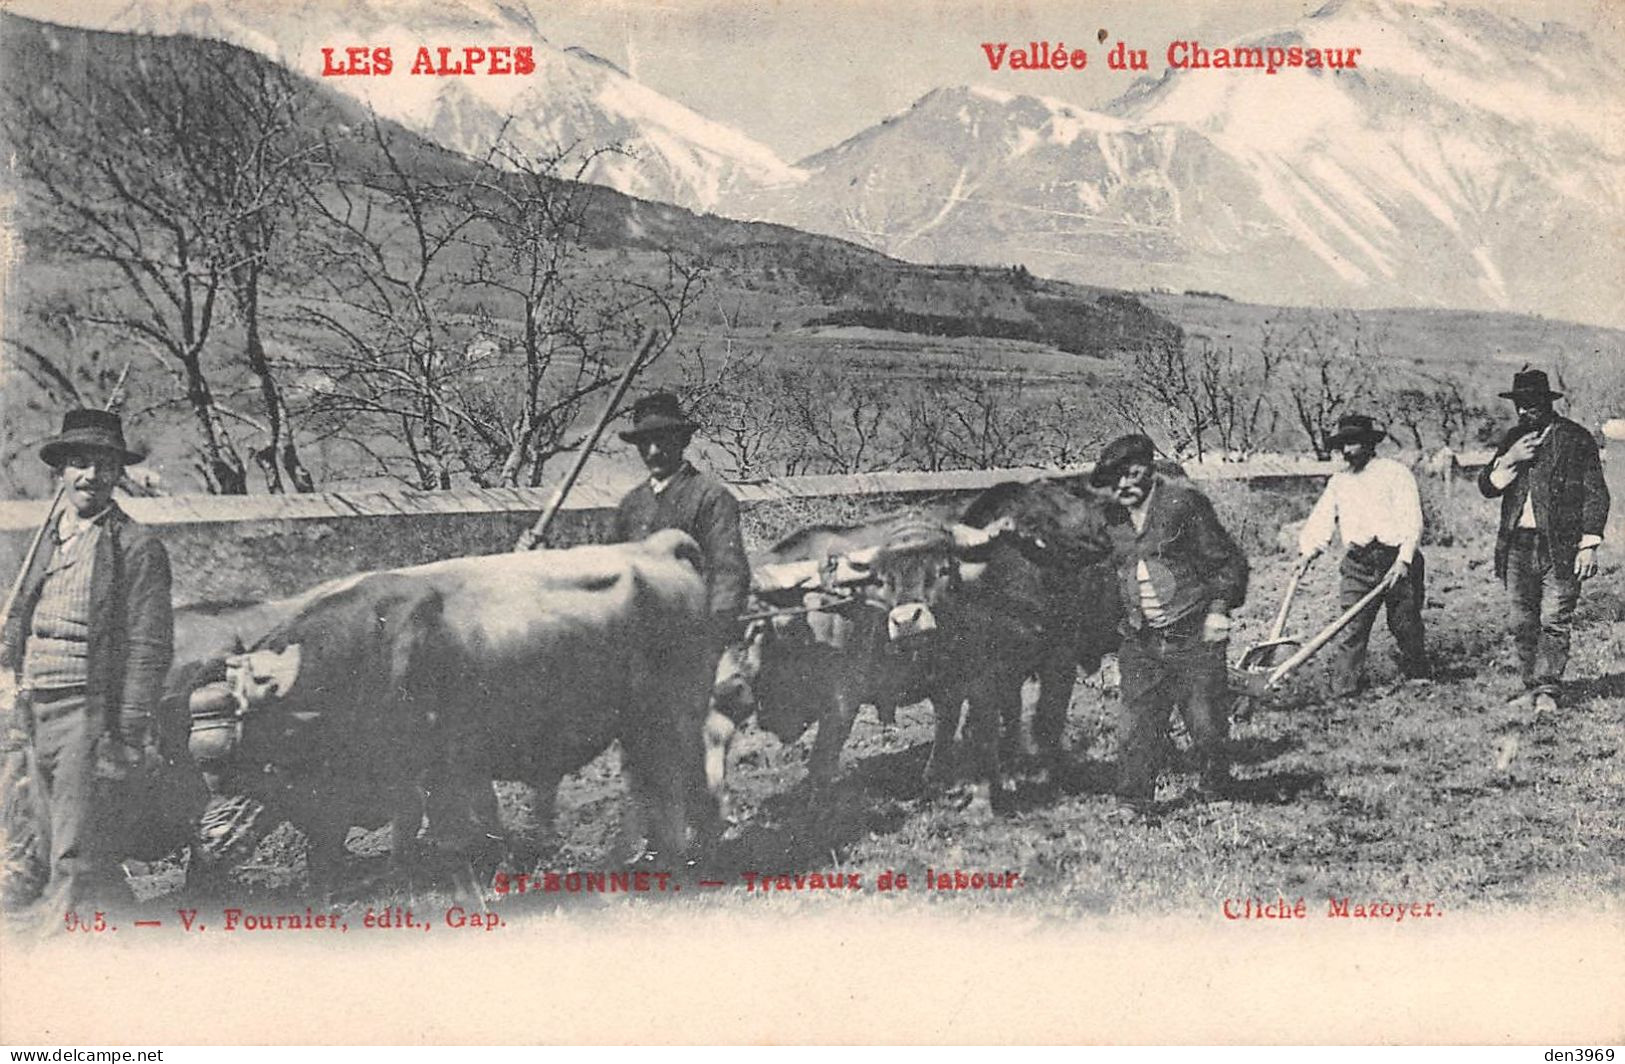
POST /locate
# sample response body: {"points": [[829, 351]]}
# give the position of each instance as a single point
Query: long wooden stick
{"points": [[538, 532], [28, 559]]}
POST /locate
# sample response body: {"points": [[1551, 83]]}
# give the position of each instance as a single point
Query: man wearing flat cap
{"points": [[89, 641], [677, 495], [1180, 574], [1374, 504], [1554, 505]]}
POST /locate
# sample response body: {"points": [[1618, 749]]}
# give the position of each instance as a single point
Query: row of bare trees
{"points": [[772, 420], [284, 275], [1197, 396]]}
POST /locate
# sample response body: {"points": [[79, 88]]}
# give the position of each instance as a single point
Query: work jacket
{"points": [[702, 506], [1193, 563], [131, 633], [1565, 483]]}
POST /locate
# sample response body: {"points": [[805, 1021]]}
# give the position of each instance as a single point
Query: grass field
{"points": [[1394, 795]]}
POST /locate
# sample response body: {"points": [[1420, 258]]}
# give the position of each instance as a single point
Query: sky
{"points": [[802, 75]]}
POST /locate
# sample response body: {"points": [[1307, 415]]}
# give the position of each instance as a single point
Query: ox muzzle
{"points": [[910, 621]]}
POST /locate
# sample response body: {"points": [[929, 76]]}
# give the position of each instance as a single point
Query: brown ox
{"points": [[403, 692], [920, 606]]}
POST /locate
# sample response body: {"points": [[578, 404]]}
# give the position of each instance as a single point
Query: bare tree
{"points": [[1328, 365], [1234, 393], [383, 299], [841, 420], [734, 399], [462, 317], [171, 184], [958, 419], [260, 179], [570, 325], [1435, 411], [1160, 394], [786, 421]]}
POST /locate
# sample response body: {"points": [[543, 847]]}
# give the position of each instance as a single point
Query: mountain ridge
{"points": [[1441, 172]]}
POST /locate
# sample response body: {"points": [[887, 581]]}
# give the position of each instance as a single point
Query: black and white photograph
{"points": [[744, 522]]}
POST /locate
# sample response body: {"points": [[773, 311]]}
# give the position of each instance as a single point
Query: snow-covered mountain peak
{"points": [[1464, 159], [573, 96]]}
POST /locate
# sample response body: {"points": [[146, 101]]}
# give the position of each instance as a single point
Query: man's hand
{"points": [[1522, 450], [116, 759], [1585, 563], [13, 729], [1397, 571], [1215, 628]]}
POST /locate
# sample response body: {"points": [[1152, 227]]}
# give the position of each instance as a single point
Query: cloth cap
{"points": [[1122, 451]]}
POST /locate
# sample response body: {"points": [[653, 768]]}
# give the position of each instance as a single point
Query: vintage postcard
{"points": [[934, 521]]}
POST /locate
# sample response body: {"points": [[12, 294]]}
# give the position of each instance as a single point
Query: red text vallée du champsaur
{"points": [[1181, 55]]}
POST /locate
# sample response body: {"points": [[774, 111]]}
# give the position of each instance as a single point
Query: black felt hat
{"points": [[1352, 427], [1531, 384], [96, 430], [655, 414]]}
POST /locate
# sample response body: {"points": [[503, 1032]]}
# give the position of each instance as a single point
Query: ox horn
{"points": [[969, 539], [862, 559]]}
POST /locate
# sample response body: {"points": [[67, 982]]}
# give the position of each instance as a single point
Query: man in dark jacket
{"points": [[89, 641], [1179, 575], [677, 495], [1554, 505]]}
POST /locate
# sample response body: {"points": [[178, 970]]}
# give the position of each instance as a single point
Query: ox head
{"points": [[261, 676], [920, 567], [733, 691], [253, 681]]}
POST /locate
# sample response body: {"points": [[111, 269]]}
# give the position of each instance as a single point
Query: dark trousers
{"points": [[72, 805], [1542, 603], [1162, 668], [1363, 569]]}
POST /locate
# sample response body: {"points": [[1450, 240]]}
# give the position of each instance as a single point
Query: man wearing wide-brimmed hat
{"points": [[1554, 506], [89, 640], [1374, 504], [677, 495]]}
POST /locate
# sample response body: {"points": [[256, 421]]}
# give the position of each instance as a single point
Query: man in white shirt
{"points": [[1376, 508]]}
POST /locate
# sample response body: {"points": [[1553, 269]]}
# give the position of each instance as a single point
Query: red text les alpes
{"points": [[361, 60]]}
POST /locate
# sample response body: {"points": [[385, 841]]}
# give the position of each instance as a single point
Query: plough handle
{"points": [[1326, 634], [1286, 603]]}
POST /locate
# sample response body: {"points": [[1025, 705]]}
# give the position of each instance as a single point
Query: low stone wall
{"points": [[235, 548]]}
